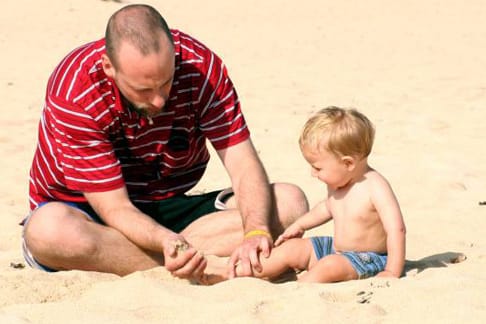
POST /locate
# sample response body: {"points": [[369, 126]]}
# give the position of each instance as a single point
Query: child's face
{"points": [[327, 167]]}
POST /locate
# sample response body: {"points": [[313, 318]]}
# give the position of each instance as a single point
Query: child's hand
{"points": [[386, 274], [292, 231]]}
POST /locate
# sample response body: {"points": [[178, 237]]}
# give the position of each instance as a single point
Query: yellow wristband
{"points": [[256, 233]]}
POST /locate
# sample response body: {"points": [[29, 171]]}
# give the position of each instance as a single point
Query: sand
{"points": [[416, 68]]}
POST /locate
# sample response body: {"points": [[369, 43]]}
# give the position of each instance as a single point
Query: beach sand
{"points": [[416, 68]]}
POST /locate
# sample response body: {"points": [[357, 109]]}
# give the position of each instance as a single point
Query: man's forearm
{"points": [[139, 228], [118, 212], [255, 201], [255, 208], [250, 184]]}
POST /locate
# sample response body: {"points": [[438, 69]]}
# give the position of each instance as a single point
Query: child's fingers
{"points": [[279, 240]]}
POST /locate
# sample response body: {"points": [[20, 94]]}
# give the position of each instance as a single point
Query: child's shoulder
{"points": [[375, 178]]}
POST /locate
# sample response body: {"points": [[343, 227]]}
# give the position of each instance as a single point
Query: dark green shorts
{"points": [[175, 213]]}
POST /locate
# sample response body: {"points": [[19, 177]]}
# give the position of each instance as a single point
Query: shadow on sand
{"points": [[434, 261]]}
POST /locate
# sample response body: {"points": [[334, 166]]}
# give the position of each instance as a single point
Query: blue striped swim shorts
{"points": [[366, 264]]}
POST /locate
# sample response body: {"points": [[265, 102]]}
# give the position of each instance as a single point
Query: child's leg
{"points": [[293, 254], [331, 268]]}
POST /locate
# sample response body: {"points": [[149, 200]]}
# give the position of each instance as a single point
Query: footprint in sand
{"points": [[345, 297], [364, 297]]}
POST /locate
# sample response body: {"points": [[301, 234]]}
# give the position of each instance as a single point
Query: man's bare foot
{"points": [[216, 270]]}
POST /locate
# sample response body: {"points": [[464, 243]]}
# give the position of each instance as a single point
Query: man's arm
{"points": [[252, 190], [116, 210], [250, 185]]}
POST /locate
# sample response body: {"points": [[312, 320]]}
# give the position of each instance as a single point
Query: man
{"points": [[122, 139]]}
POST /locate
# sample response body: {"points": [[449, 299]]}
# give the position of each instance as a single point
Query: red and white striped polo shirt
{"points": [[89, 141]]}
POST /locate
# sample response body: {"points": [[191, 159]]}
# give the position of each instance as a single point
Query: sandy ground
{"points": [[416, 68]]}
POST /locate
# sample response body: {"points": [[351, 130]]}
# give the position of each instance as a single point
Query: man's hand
{"points": [[182, 260], [247, 255]]}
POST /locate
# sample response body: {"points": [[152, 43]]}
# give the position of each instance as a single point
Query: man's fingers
{"points": [[232, 262], [266, 248], [199, 271], [187, 271], [247, 257], [174, 245], [246, 268], [172, 251], [255, 261], [185, 263]]}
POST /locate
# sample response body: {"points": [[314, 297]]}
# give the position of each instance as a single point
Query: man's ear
{"points": [[108, 67], [349, 162]]}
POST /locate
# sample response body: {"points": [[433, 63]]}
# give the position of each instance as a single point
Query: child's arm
{"points": [[316, 216], [389, 212]]}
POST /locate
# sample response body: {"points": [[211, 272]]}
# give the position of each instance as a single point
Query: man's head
{"points": [[140, 57]]}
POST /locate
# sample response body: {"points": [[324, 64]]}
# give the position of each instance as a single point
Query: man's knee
{"points": [[53, 230], [291, 202], [44, 223]]}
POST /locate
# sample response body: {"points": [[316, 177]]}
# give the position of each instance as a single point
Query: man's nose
{"points": [[158, 101], [161, 96]]}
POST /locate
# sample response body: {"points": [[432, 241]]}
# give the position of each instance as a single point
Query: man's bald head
{"points": [[140, 25]]}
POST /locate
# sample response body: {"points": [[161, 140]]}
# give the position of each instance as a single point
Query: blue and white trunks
{"points": [[366, 264]]}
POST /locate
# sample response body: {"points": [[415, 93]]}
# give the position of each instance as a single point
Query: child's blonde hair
{"points": [[340, 131]]}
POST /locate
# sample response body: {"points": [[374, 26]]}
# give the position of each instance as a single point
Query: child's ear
{"points": [[349, 162]]}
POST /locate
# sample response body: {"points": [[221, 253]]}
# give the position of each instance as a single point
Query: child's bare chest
{"points": [[352, 206]]}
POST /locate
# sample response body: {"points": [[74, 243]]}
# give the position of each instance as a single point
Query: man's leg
{"points": [[221, 232], [61, 237]]}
